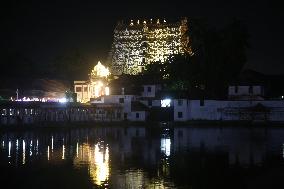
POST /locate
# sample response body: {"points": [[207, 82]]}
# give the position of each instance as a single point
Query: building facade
{"points": [[96, 86], [141, 42]]}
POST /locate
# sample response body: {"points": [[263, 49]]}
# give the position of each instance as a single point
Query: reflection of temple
{"points": [[96, 86], [123, 157], [97, 157]]}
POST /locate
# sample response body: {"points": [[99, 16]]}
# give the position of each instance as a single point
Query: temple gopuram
{"points": [[141, 42]]}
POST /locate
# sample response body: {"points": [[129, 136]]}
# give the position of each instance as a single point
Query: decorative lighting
{"points": [[100, 71], [107, 90], [134, 48]]}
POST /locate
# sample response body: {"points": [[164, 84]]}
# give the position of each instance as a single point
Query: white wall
{"points": [[209, 111], [214, 109], [244, 90], [152, 92], [82, 96], [155, 102], [142, 116], [115, 100], [181, 108]]}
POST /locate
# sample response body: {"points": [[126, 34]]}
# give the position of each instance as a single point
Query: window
{"points": [[250, 90], [85, 89], [180, 133], [118, 115], [78, 89], [149, 102], [236, 89], [125, 115], [137, 115], [149, 89], [121, 100], [4, 112], [179, 114], [201, 102], [262, 90], [180, 102]]}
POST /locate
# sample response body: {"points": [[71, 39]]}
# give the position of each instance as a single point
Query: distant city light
{"points": [[62, 100], [45, 99]]}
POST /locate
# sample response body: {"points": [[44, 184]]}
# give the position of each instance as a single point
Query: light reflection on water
{"points": [[97, 159], [121, 157]]}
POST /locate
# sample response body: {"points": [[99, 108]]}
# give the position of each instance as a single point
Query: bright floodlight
{"points": [[62, 100], [166, 103]]}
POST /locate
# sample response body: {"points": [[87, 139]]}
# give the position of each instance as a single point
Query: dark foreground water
{"points": [[134, 157]]}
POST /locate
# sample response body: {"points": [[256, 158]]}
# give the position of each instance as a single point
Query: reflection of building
{"points": [[97, 158], [126, 157], [242, 145], [95, 87], [137, 44]]}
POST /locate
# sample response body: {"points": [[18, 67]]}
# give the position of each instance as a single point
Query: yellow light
{"points": [[24, 152], [107, 90], [63, 151], [48, 153], [100, 71], [160, 41], [102, 166], [97, 157]]}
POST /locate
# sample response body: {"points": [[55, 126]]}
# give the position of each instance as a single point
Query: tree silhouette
{"points": [[219, 56]]}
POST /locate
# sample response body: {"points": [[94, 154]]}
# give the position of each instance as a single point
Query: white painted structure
{"points": [[96, 86], [246, 92], [272, 110], [151, 102], [149, 96], [83, 91], [125, 102], [138, 116], [150, 90]]}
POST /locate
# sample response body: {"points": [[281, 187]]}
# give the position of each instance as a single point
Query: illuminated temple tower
{"points": [[141, 42], [96, 86]]}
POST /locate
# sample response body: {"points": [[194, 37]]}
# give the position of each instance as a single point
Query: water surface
{"points": [[135, 157]]}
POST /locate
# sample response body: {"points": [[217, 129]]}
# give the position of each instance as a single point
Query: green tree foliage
{"points": [[219, 56]]}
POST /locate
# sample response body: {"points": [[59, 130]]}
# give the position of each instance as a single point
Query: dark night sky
{"points": [[42, 31]]}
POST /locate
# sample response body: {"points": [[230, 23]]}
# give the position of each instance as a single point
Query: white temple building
{"points": [[96, 86]]}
